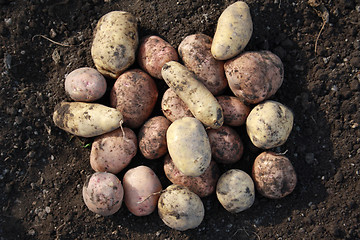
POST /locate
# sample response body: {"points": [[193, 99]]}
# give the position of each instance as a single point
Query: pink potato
{"points": [[173, 107], [153, 53], [235, 111], [254, 76], [103, 193], [112, 152], [142, 190]]}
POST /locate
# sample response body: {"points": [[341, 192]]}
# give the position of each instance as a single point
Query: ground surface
{"points": [[42, 169]]}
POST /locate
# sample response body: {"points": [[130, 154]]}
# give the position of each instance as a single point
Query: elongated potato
{"points": [[86, 119], [235, 111], [233, 31], [173, 107], [115, 43], [202, 104]]}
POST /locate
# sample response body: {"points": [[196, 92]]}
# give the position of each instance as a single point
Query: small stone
{"points": [[339, 177], [354, 85], [56, 56], [53, 34], [309, 158], [31, 232], [18, 120], [355, 62], [47, 209]]}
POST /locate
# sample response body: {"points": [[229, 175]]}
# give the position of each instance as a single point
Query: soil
{"points": [[43, 168]]}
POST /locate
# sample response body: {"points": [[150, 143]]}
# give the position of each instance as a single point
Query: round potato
{"points": [[274, 175], [173, 107], [235, 191], [103, 193], [112, 152], [153, 53], [226, 145], [195, 51], [152, 137], [142, 190], [134, 94], [180, 209], [203, 185], [235, 111], [254, 76], [269, 124]]}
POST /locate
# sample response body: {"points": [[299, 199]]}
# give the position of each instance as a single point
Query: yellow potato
{"points": [[233, 31]]}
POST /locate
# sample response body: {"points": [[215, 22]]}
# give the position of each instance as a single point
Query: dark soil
{"points": [[42, 168]]}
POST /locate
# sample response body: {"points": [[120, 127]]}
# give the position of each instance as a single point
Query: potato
{"points": [[195, 52], [142, 190], [180, 209], [226, 145], [115, 43], [112, 152], [254, 76], [153, 53], [86, 119], [235, 111], [85, 85], [189, 146], [233, 31], [274, 175], [173, 107], [134, 94], [202, 104], [203, 185], [103, 193], [269, 124], [235, 191], [152, 137]]}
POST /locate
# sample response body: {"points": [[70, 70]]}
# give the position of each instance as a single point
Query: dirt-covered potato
{"points": [[233, 31], [134, 94], [86, 119], [269, 124], [85, 85], [189, 146], [152, 137], [115, 43], [113, 151], [226, 145], [274, 175], [235, 111], [153, 53], [254, 76], [202, 104], [142, 190], [195, 52], [235, 191], [203, 185], [180, 209], [173, 107], [103, 193]]}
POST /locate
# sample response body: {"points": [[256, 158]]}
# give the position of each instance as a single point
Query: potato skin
{"points": [[235, 111], [180, 209], [274, 175], [226, 145], [112, 152], [152, 137], [103, 193], [233, 31], [269, 124], [153, 53], [85, 85], [86, 119], [254, 76], [203, 185], [195, 51], [173, 107], [115, 43], [134, 94], [141, 183]]}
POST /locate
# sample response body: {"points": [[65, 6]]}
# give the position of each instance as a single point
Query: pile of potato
{"points": [[197, 131]]}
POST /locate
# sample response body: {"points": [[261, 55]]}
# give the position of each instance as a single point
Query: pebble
{"points": [[339, 177], [31, 232], [56, 56]]}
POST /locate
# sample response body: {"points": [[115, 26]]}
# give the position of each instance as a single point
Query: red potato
{"points": [[173, 107], [226, 145], [142, 190], [235, 111], [134, 94], [254, 76], [153, 53], [195, 51], [152, 137], [112, 152], [203, 185]]}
